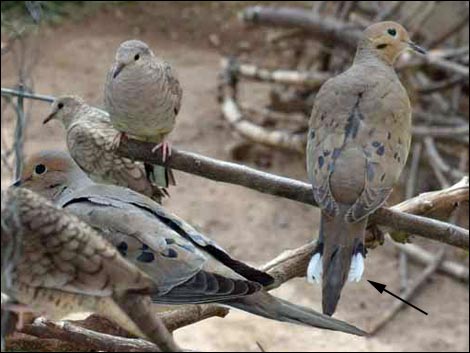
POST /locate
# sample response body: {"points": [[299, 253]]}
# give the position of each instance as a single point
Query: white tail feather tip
{"points": [[357, 268], [315, 269]]}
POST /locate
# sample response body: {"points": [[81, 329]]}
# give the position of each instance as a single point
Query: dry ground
{"points": [[74, 58]]}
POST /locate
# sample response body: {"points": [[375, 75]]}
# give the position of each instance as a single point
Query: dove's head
{"points": [[131, 53], [50, 174], [65, 109], [387, 40]]}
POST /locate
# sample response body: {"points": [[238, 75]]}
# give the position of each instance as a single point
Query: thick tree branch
{"points": [[291, 189]]}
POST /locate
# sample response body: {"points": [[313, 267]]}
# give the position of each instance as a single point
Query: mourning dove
{"points": [[358, 142], [62, 266], [90, 138], [143, 95], [187, 267]]}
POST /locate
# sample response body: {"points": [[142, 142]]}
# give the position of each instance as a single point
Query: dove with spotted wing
{"points": [[358, 142], [61, 265]]}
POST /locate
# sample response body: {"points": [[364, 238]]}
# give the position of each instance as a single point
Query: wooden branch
{"points": [[440, 131], [418, 254], [319, 26], [407, 295], [222, 171], [437, 204], [441, 85], [253, 132], [459, 25], [439, 161], [292, 189], [310, 79], [68, 332], [390, 11], [427, 227], [190, 314], [447, 65]]}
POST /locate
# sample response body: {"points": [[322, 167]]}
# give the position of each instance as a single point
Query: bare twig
{"points": [[435, 158], [321, 27], [253, 132], [408, 294], [418, 254], [459, 25], [309, 79], [390, 11], [68, 332], [410, 191]]}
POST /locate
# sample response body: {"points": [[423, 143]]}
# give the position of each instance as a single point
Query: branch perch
{"points": [[291, 189], [68, 332]]}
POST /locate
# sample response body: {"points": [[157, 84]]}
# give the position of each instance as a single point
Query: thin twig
{"points": [[68, 332], [449, 33], [410, 191], [407, 295], [436, 159], [418, 254]]}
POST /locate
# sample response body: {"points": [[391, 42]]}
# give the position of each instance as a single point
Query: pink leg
{"points": [[166, 149]]}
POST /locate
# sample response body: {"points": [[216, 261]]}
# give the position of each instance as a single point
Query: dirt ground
{"points": [[74, 58]]}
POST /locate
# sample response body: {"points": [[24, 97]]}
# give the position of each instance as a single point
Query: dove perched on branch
{"points": [[358, 143], [143, 97], [90, 137], [61, 266], [187, 267]]}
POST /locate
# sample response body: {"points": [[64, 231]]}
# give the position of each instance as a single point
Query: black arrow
{"points": [[381, 288]]}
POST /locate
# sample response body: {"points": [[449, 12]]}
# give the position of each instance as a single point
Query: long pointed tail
{"points": [[265, 305], [339, 257]]}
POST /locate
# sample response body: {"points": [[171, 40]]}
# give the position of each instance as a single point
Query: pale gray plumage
{"points": [[90, 140], [358, 143], [63, 266], [186, 266], [143, 96]]}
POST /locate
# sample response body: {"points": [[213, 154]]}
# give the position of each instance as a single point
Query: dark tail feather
{"points": [[160, 175], [265, 305], [342, 240]]}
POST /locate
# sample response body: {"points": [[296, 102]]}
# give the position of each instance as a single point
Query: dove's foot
{"points": [[166, 149]]}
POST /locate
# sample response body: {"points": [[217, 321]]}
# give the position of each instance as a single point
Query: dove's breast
{"points": [[140, 103]]}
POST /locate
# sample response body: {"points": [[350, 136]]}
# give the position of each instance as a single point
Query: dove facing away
{"points": [[358, 142], [61, 265], [187, 267], [90, 141], [143, 95]]}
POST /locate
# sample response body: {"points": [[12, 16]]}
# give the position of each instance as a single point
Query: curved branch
{"points": [[310, 79]]}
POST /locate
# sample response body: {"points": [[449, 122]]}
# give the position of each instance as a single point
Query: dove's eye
{"points": [[392, 32], [60, 105], [136, 57], [40, 169]]}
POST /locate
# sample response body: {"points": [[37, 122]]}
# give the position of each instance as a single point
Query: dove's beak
{"points": [[416, 48], [118, 69], [17, 183], [49, 117]]}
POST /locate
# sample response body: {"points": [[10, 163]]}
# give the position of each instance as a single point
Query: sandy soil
{"points": [[74, 58]]}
